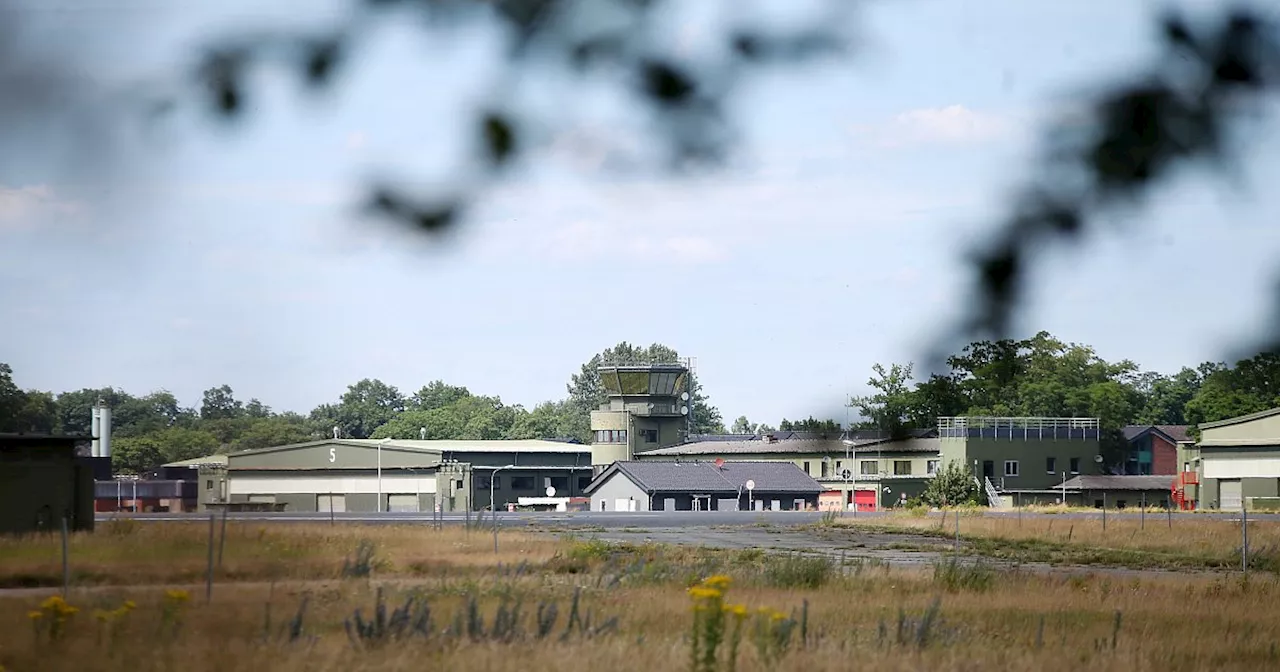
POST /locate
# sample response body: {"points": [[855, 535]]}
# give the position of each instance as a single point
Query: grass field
{"points": [[1185, 543], [547, 603]]}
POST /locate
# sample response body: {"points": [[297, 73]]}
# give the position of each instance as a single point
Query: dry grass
{"points": [[1014, 622], [1126, 541], [131, 552]]}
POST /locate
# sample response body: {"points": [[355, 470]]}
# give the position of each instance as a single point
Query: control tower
{"points": [[648, 408]]}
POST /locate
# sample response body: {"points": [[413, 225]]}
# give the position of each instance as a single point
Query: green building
{"points": [[392, 475], [1239, 462], [1021, 459]]}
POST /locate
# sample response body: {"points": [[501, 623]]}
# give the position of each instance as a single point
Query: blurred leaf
{"points": [[322, 57], [666, 84], [432, 219], [499, 137]]}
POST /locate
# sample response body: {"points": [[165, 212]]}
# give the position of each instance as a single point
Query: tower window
{"points": [[649, 435]]}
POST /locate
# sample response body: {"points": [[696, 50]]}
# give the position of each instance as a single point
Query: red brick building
{"points": [[1153, 449]]}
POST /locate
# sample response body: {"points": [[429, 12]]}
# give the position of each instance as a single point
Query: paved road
{"points": [[643, 519]]}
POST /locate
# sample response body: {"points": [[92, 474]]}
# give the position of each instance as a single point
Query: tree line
{"points": [[154, 428], [1039, 376]]}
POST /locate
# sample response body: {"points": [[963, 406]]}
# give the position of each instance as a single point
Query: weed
{"points": [[955, 576], [363, 564], [794, 570]]}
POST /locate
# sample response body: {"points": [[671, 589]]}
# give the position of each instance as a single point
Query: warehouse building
{"points": [[371, 475], [45, 479], [1021, 460], [1118, 492], [1240, 462], [873, 473], [703, 486]]}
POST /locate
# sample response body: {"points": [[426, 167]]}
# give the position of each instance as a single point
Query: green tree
{"points": [[277, 430], [220, 403], [24, 411], [892, 406], [549, 420], [810, 424], [366, 406], [436, 394], [952, 486], [743, 426]]}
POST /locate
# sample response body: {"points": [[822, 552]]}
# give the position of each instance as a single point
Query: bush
{"points": [[953, 486], [797, 571], [956, 577]]}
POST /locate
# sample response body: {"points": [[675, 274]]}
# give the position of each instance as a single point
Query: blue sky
{"points": [[212, 255]]}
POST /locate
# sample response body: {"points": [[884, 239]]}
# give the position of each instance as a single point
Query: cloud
{"points": [[950, 125], [357, 141], [24, 207]]}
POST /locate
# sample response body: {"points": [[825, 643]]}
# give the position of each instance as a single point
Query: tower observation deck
{"points": [[648, 408]]}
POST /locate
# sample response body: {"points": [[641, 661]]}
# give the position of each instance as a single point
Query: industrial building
{"points": [[1238, 462], [863, 470], [658, 485], [1118, 492], [44, 480], [1020, 460], [392, 475]]}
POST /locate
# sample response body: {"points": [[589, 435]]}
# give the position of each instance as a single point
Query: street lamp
{"points": [[380, 445], [849, 460], [493, 479]]}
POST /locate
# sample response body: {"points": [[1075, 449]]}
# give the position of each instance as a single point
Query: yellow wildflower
{"points": [[703, 593], [778, 616], [177, 595], [35, 615], [102, 616], [129, 605], [739, 610], [719, 582]]}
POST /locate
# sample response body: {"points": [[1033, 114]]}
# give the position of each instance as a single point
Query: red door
{"points": [[865, 499]]}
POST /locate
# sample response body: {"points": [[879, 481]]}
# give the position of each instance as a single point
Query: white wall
{"points": [[345, 485], [1241, 467], [618, 487]]}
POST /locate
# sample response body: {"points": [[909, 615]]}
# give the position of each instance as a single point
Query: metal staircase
{"points": [[994, 500]]}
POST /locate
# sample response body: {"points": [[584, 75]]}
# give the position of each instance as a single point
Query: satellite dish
{"points": [[1097, 458], [551, 491], [684, 410], [846, 474], [751, 484], [684, 396]]}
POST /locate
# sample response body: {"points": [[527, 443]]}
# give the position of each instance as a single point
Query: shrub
{"points": [[794, 570], [956, 576], [953, 486]]}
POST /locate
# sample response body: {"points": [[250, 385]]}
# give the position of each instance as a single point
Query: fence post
{"points": [[957, 517], [208, 587], [222, 537], [1142, 515], [1244, 534], [66, 565], [1169, 513], [1104, 512]]}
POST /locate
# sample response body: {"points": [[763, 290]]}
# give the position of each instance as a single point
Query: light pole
{"points": [[849, 460], [493, 480], [380, 445]]}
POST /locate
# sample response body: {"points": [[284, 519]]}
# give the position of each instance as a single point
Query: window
{"points": [[482, 482], [806, 469], [459, 485], [1010, 467], [1186, 466], [838, 467], [902, 467], [1075, 465], [583, 482], [208, 485], [610, 436], [649, 435], [561, 484], [826, 469], [1051, 465], [869, 468], [522, 482], [931, 467]]}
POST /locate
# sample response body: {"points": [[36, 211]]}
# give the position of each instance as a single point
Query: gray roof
{"points": [[707, 478], [793, 446], [1119, 483], [1175, 433]]}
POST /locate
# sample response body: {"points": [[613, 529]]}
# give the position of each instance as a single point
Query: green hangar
{"points": [[372, 475]]}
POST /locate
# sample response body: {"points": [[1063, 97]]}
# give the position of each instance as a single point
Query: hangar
{"points": [[1240, 462], [370, 475]]}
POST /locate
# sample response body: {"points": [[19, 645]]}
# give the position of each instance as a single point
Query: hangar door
{"points": [[337, 502], [1230, 495], [402, 503]]}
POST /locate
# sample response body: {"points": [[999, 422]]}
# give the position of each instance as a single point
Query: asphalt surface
{"points": [[643, 519]]}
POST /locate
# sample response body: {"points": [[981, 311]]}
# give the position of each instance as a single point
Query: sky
{"points": [[206, 254]]}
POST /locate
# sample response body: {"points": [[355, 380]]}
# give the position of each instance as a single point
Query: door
{"points": [[669, 504], [988, 469], [865, 500], [1230, 495], [404, 503], [622, 504], [337, 502], [727, 505]]}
